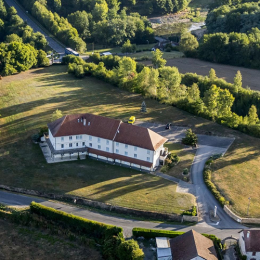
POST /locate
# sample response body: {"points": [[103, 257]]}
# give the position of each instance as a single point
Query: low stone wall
{"points": [[239, 219], [104, 206], [190, 218]]}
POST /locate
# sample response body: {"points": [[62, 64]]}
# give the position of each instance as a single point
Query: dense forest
{"points": [[20, 47], [232, 36], [209, 97], [75, 23]]}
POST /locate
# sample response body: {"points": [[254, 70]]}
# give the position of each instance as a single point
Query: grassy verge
{"points": [[186, 156]]}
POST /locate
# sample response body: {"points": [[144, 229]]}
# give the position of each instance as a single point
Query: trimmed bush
{"points": [[212, 187], [130, 250], [192, 212], [77, 224], [153, 233]]}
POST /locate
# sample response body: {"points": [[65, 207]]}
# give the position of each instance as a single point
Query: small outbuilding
{"points": [[163, 248]]}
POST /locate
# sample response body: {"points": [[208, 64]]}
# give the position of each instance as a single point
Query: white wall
{"points": [[79, 141], [243, 249], [105, 145], [141, 154], [198, 258]]}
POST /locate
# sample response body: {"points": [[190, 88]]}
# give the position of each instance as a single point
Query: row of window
{"points": [[78, 137], [99, 147]]}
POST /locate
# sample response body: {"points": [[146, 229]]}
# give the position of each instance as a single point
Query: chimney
{"points": [[84, 121], [88, 123], [78, 120], [81, 119], [248, 234]]}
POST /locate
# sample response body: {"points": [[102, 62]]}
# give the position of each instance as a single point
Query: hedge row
{"points": [[192, 212], [93, 229], [212, 187], [152, 233]]}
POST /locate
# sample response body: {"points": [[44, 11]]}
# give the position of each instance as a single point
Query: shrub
{"points": [[185, 171], [190, 138], [94, 229], [110, 248], [165, 168], [192, 212], [130, 250], [212, 187]]}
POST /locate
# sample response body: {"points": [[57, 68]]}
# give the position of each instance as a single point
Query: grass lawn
{"points": [[19, 242], [26, 103], [186, 158]]}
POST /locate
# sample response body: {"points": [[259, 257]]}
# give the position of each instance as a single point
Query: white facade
{"points": [[109, 146], [250, 255]]}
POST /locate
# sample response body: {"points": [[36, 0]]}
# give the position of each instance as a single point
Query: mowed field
{"points": [[251, 77], [27, 101], [19, 242]]}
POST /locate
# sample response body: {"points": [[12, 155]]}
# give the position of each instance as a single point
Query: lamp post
{"points": [[249, 199]]}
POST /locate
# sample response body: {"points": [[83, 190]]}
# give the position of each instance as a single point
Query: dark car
{"points": [[168, 126]]}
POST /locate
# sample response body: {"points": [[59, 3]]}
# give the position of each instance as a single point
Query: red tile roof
{"points": [[191, 245], [139, 136], [120, 157], [107, 128], [252, 243], [98, 126]]}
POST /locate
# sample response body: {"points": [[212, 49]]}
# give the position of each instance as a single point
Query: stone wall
{"points": [[104, 206], [240, 219]]}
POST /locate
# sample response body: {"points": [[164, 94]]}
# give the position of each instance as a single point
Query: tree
{"points": [[43, 61], [147, 82], [190, 138], [127, 47], [56, 115], [238, 81], [130, 250], [212, 74], [157, 59], [253, 116], [80, 21], [13, 38], [188, 43], [170, 78], [100, 11], [193, 92]]}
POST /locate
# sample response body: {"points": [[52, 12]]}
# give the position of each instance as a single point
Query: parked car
{"points": [[131, 120], [168, 126]]}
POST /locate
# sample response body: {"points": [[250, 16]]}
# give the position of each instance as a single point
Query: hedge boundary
{"points": [[211, 186], [93, 229]]}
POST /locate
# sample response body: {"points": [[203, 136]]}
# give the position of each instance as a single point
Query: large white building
{"points": [[106, 139], [249, 243]]}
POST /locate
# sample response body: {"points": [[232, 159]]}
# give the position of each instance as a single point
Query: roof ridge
{"points": [[117, 130], [193, 235]]}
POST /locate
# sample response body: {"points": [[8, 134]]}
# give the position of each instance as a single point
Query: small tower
{"points": [[143, 107]]}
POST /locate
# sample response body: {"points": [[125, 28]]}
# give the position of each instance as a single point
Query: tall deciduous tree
{"points": [[157, 59], [238, 81], [252, 115], [188, 43]]}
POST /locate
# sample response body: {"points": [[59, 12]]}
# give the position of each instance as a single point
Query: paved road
{"points": [[22, 13], [127, 224]]}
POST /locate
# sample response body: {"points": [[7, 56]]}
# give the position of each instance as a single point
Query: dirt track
{"points": [[251, 77]]}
